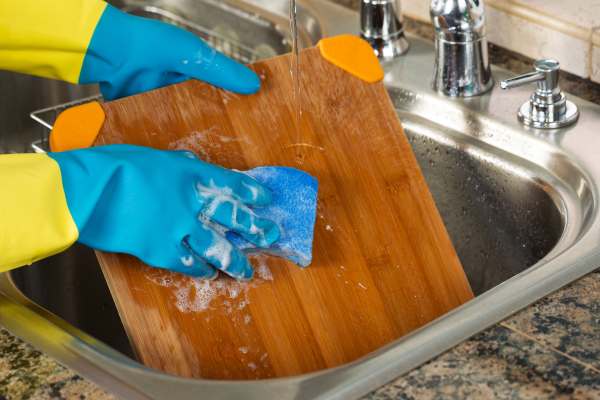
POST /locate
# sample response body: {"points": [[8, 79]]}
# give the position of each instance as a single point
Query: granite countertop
{"points": [[550, 350]]}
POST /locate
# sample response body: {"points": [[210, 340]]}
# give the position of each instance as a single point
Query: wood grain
{"points": [[383, 262]]}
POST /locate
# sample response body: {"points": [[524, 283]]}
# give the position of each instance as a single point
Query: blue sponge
{"points": [[294, 209]]}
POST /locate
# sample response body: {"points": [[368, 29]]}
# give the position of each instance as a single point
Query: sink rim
{"points": [[130, 379]]}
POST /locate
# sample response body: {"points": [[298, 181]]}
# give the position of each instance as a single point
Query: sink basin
{"points": [[520, 206], [500, 222]]}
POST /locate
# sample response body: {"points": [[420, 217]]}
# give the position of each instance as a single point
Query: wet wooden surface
{"points": [[383, 263]]}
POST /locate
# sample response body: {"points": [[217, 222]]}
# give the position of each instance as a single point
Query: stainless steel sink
{"points": [[500, 222], [520, 206]]}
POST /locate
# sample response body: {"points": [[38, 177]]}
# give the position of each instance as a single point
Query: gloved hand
{"points": [[167, 208], [89, 41], [129, 55]]}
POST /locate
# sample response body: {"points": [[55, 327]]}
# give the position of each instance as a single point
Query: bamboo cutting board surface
{"points": [[383, 262]]}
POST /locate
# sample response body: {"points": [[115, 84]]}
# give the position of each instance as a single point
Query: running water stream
{"points": [[295, 68]]}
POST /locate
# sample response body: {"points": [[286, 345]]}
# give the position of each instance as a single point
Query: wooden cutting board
{"points": [[383, 262]]}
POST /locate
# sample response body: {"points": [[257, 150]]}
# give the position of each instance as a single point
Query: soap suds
{"points": [[213, 197], [261, 267], [220, 251], [253, 190], [206, 142], [195, 295], [233, 291], [208, 223], [243, 350], [206, 59], [329, 228], [194, 141], [188, 261]]}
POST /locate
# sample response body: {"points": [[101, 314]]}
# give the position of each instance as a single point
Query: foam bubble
{"points": [[188, 261], [220, 250], [213, 197], [253, 190], [195, 295], [264, 272]]}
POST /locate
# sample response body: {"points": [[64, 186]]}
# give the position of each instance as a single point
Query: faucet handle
{"points": [[381, 26], [545, 74], [548, 107]]}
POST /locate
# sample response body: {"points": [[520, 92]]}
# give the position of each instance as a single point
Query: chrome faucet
{"points": [[381, 26], [462, 68]]}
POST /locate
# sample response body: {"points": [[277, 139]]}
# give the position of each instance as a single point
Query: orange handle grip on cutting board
{"points": [[352, 54], [77, 127]]}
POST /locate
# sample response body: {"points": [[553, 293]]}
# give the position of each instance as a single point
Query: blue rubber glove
{"points": [[129, 54], [167, 208]]}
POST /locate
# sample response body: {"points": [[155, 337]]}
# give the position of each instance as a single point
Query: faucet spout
{"points": [[462, 67], [381, 25]]}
